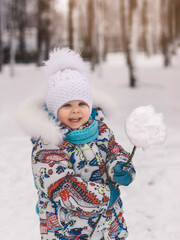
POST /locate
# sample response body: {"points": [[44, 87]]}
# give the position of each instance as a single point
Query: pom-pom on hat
{"points": [[67, 79]]}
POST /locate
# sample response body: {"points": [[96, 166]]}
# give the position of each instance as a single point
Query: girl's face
{"points": [[74, 114]]}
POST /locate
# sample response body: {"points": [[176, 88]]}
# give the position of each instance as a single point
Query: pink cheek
{"points": [[63, 118]]}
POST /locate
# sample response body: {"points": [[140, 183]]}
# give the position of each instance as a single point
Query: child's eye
{"points": [[82, 103], [67, 105]]}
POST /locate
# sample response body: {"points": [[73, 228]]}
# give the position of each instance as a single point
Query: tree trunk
{"points": [[94, 56], [167, 31], [176, 24], [88, 40], [70, 22], [44, 30], [177, 20], [167, 60], [144, 26], [12, 36], [105, 12], [126, 24], [100, 33], [22, 25], [1, 42]]}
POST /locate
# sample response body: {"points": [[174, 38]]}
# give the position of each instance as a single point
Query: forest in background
{"points": [[30, 29]]}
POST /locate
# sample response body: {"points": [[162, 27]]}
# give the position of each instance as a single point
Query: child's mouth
{"points": [[74, 120]]}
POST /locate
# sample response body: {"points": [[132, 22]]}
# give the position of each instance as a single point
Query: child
{"points": [[77, 165]]}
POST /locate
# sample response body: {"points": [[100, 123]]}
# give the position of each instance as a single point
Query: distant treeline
{"points": [[95, 27]]}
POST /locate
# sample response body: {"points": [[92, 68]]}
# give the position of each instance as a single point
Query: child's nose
{"points": [[75, 110]]}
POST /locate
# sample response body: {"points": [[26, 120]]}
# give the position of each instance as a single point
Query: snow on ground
{"points": [[152, 201]]}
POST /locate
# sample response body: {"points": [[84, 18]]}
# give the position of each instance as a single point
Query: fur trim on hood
{"points": [[36, 122]]}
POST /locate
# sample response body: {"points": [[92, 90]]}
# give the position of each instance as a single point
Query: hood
{"points": [[34, 120]]}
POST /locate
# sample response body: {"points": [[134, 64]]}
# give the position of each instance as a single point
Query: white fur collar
{"points": [[36, 123]]}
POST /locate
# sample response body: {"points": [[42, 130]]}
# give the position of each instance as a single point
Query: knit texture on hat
{"points": [[67, 79]]}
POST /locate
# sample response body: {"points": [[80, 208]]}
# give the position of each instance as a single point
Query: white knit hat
{"points": [[67, 79]]}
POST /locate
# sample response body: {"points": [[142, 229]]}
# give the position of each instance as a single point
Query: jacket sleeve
{"points": [[116, 154], [54, 175]]}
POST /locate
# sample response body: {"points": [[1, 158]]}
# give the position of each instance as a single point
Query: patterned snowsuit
{"points": [[73, 187]]}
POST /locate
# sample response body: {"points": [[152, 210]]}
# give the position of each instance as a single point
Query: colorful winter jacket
{"points": [[73, 180]]}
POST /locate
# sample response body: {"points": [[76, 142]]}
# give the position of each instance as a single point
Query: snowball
{"points": [[145, 127]]}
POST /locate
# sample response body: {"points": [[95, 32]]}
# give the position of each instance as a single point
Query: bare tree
{"points": [[177, 19], [44, 29], [97, 32], [70, 23], [88, 39], [91, 37], [100, 7], [22, 25], [92, 27], [144, 22], [127, 8], [176, 24], [1, 42], [167, 31], [13, 8], [105, 29]]}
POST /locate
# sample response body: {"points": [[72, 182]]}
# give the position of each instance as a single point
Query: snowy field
{"points": [[152, 201]]}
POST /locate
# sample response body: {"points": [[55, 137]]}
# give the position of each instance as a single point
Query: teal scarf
{"points": [[82, 136]]}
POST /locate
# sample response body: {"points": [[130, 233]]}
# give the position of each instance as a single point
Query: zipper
{"points": [[95, 226]]}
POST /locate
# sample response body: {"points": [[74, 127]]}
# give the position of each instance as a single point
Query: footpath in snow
{"points": [[152, 201]]}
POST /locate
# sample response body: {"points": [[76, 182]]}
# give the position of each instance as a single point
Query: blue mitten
{"points": [[114, 194], [121, 176]]}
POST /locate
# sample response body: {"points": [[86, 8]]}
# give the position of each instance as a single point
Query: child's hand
{"points": [[121, 176]]}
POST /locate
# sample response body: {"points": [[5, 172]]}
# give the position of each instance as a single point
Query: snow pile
{"points": [[144, 127]]}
